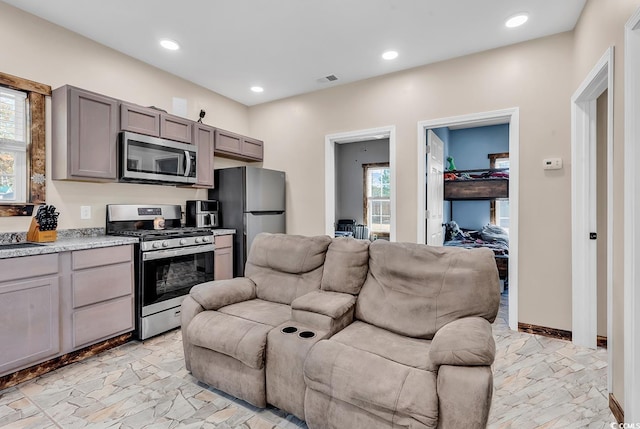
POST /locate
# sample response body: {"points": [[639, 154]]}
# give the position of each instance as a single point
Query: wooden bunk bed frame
{"points": [[490, 188]]}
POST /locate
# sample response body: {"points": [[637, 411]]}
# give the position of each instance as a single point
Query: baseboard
{"points": [[615, 408], [55, 363], [544, 331]]}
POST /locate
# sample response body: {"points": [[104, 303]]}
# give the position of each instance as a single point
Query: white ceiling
{"points": [[285, 46]]}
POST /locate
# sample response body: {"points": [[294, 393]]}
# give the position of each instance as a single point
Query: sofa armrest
{"points": [[463, 342], [220, 293], [329, 311]]}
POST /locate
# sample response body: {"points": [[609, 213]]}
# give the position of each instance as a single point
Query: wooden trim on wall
{"points": [[55, 363], [601, 341], [616, 409], [36, 161], [544, 331], [22, 84]]}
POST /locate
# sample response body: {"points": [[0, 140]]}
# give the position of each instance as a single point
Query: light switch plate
{"points": [[85, 212], [552, 163]]}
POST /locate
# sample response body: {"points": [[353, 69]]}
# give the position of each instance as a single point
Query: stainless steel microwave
{"points": [[155, 160]]}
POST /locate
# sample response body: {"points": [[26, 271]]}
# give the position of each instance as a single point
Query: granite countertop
{"points": [[76, 241], [65, 245]]}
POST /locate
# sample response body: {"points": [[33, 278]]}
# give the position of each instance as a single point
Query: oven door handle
{"points": [[187, 169], [170, 253]]}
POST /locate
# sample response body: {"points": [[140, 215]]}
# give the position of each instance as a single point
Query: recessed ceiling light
{"points": [[257, 89], [171, 45], [390, 55], [517, 20]]}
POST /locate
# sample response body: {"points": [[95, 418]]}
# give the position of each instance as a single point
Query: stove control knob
{"points": [[206, 239], [183, 241], [165, 244], [198, 239], [156, 244]]}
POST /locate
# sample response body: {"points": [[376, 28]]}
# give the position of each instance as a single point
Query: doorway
{"points": [[355, 137], [506, 116]]}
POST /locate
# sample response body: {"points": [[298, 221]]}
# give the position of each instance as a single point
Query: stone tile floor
{"points": [[539, 383]]}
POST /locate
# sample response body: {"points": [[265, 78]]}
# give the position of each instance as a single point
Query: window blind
{"points": [[13, 117]]}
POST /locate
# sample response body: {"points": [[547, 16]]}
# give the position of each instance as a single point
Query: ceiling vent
{"points": [[330, 78]]}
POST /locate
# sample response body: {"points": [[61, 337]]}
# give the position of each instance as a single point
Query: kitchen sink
{"points": [[19, 245]]}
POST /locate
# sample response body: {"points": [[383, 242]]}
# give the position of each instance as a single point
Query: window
{"points": [[377, 198], [500, 208], [13, 145]]}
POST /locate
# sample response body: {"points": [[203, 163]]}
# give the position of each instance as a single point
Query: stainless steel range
{"points": [[170, 259]]}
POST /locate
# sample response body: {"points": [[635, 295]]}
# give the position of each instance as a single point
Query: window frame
{"points": [[493, 158], [35, 152], [365, 198]]}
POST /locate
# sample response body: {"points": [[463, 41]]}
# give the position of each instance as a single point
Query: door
{"points": [[435, 189]]}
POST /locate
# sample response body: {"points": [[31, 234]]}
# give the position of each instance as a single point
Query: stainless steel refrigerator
{"points": [[252, 200]]}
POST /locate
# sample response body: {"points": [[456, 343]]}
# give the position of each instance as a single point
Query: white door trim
{"points": [[512, 117], [631, 219], [330, 171], [583, 206]]}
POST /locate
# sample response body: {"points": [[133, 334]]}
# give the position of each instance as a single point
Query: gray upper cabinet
{"points": [[138, 119], [236, 146], [204, 138], [85, 135], [153, 122]]}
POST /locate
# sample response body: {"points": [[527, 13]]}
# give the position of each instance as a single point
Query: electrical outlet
{"points": [[552, 163], [85, 212]]}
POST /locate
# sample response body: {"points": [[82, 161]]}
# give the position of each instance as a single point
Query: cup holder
{"points": [[289, 330], [307, 334]]}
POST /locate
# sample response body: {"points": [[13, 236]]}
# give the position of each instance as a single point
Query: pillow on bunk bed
{"points": [[494, 233]]}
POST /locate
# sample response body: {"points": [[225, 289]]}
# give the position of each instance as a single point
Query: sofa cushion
{"points": [[239, 338], [257, 310], [398, 393], [408, 351], [284, 267], [346, 265], [414, 289]]}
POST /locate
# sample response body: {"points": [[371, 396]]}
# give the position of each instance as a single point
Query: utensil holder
{"points": [[34, 233]]}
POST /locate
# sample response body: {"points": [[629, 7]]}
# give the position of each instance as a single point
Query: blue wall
{"points": [[469, 148]]}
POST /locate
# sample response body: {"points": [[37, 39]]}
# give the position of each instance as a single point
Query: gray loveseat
{"points": [[344, 334]]}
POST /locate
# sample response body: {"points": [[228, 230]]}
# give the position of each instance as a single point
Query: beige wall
{"points": [[601, 26], [534, 76], [46, 53]]}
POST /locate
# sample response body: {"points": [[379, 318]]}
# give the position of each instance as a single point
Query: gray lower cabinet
{"points": [[223, 257], [58, 303], [29, 311], [85, 135], [99, 296]]}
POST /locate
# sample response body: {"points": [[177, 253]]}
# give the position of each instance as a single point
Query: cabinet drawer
{"points": [[100, 284], [175, 128], [222, 241], [139, 120], [103, 320], [28, 266], [100, 257]]}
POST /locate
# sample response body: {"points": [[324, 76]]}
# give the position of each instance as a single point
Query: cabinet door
{"points": [[228, 142], [175, 128], [223, 257], [204, 137], [93, 135], [252, 148], [139, 119], [29, 322]]}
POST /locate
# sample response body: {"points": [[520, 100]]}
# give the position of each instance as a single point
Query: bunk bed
{"points": [[483, 184]]}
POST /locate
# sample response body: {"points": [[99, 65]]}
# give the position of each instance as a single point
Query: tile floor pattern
{"points": [[539, 383]]}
